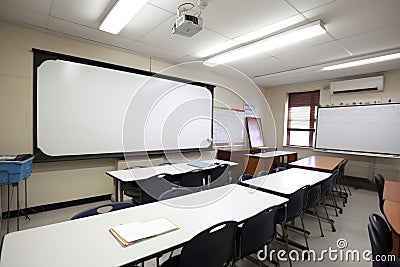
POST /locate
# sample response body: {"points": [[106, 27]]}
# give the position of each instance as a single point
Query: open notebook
{"points": [[130, 233]]}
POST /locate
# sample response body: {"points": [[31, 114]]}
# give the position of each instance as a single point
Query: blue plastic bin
{"points": [[18, 170]]}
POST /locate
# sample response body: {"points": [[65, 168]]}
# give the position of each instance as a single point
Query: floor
{"points": [[351, 226]]}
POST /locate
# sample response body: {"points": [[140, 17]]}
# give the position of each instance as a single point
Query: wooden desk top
{"points": [[391, 191], [318, 163], [392, 213]]}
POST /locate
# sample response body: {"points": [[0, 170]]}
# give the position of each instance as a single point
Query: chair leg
{"points": [[319, 221], [327, 216], [286, 242], [334, 204], [304, 231]]}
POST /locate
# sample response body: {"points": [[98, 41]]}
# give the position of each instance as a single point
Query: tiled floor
{"points": [[351, 226]]}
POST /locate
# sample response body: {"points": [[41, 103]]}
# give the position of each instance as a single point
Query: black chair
{"points": [[194, 180], [175, 192], [380, 185], [381, 241], [313, 199], [102, 209], [213, 247], [326, 189], [154, 187], [219, 176], [132, 189], [262, 173], [279, 169], [255, 233], [244, 177], [294, 208]]}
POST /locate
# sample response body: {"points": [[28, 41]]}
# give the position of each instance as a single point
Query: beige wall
{"points": [[358, 166], [64, 181]]}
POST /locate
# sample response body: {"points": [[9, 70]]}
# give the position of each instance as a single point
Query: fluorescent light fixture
{"points": [[121, 13], [286, 38], [363, 62], [251, 36]]}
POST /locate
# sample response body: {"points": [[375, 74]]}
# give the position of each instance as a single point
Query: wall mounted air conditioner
{"points": [[371, 84]]}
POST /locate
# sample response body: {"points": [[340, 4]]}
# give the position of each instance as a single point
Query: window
{"points": [[301, 118]]}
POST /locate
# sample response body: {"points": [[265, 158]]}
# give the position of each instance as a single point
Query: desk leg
{"points": [[116, 188], [121, 192], [17, 206], [396, 244]]}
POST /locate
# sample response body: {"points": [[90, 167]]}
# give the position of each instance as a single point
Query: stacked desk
{"points": [[266, 161], [391, 208], [87, 242]]}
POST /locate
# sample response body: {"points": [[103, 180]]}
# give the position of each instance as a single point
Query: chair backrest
{"points": [[154, 187], [381, 228], [380, 238], [102, 209], [279, 169], [262, 173], [219, 175], [326, 185], [257, 232], [296, 204], [341, 168], [192, 179], [313, 196], [212, 247], [175, 192], [244, 177], [380, 185]]}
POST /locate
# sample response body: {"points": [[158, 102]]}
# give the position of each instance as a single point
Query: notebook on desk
{"points": [[130, 233], [202, 164]]}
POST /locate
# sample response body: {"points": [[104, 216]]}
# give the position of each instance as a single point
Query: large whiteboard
{"points": [[83, 109], [368, 128]]}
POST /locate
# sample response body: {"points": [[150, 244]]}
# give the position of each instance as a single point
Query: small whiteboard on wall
{"points": [[373, 129], [228, 126]]}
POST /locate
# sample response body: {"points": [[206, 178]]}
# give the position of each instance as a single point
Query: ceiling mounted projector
{"points": [[188, 20]]}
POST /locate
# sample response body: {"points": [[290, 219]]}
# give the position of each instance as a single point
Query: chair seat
{"points": [[171, 262]]}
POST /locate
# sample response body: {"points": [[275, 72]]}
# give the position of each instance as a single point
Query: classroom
{"points": [[261, 132]]}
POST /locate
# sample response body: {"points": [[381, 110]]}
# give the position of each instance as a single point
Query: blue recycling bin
{"points": [[12, 170]]}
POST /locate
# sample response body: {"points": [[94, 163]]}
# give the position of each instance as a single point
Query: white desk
{"points": [[87, 242], [145, 173], [287, 182]]}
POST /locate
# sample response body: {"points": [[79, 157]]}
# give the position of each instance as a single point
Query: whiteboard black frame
{"points": [[40, 56], [356, 152]]}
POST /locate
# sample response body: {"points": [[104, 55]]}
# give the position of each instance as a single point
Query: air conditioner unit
{"points": [[371, 84]]}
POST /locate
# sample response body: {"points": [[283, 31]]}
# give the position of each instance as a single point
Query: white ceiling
{"points": [[355, 28]]}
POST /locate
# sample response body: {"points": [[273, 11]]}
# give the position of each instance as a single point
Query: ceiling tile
{"points": [[304, 5], [40, 6], [314, 55], [21, 15], [87, 33], [234, 18], [153, 51], [141, 24], [162, 36], [372, 41], [170, 5], [264, 66], [315, 74], [344, 18], [88, 12]]}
